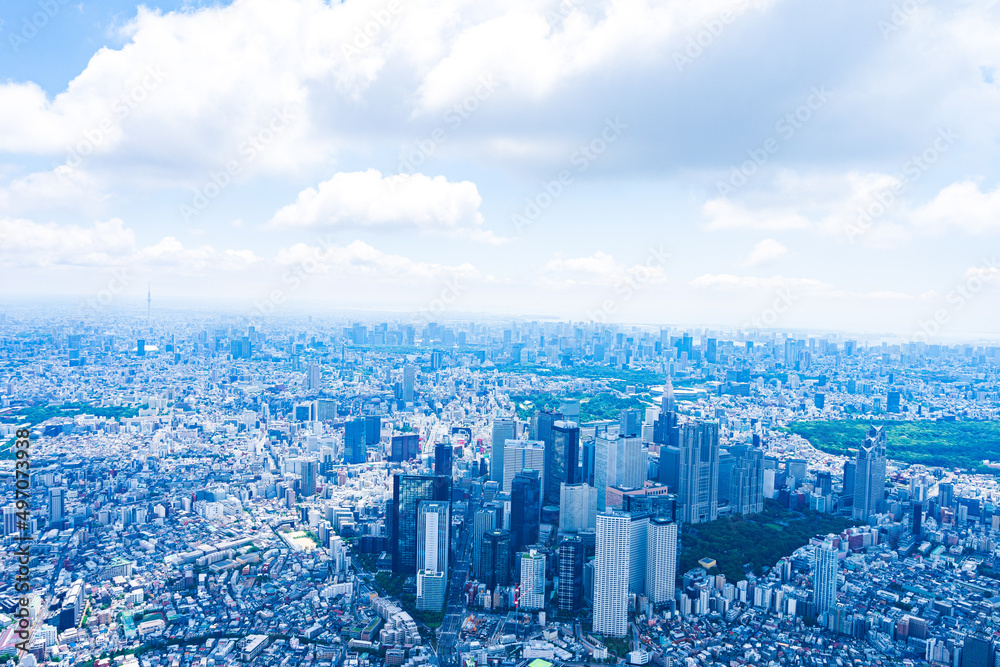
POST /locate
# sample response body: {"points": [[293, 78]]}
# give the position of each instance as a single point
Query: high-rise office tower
{"points": [[918, 515], [577, 507], [519, 455], [869, 477], [484, 521], [503, 430], [355, 447], [611, 576], [850, 472], [638, 532], [532, 587], [977, 651], [404, 447], [308, 470], [621, 462], [746, 485], [570, 554], [825, 565], [541, 425], [409, 374], [442, 458], [433, 521], [824, 483], [496, 559], [630, 423], [10, 520], [946, 494], [313, 377], [561, 459], [587, 461], [57, 504], [661, 560], [373, 430], [525, 509], [699, 472], [407, 492]]}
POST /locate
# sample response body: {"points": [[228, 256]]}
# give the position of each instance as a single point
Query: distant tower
{"points": [[149, 306], [869, 475]]}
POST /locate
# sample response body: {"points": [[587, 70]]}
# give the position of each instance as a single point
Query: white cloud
{"points": [[765, 252], [358, 260], [961, 206], [725, 214], [25, 243], [366, 199], [64, 187], [597, 269], [729, 282]]}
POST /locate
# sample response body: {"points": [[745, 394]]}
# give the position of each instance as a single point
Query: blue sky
{"points": [[638, 162]]}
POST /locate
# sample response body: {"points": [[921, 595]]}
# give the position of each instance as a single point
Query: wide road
{"points": [[455, 607]]}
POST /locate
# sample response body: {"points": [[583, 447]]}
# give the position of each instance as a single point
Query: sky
{"points": [[730, 163]]}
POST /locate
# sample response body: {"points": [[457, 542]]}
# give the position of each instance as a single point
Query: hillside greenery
{"points": [[751, 543], [957, 444]]}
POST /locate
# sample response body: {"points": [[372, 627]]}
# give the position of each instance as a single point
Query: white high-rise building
{"points": [[825, 563], [314, 379], [532, 591], [577, 508], [521, 454], [661, 560], [611, 573], [433, 521], [621, 462], [503, 430]]}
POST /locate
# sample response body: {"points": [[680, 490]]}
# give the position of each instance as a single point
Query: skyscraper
{"points": [[503, 430], [404, 447], [308, 470], [525, 509], [570, 555], [407, 492], [442, 458], [561, 458], [57, 504], [746, 486], [825, 576], [869, 476], [485, 521], [977, 651], [313, 378], [699, 472], [630, 423], [577, 507], [661, 560], [433, 521], [409, 374], [532, 588], [520, 455], [918, 513], [611, 574], [496, 551], [621, 462], [638, 532], [355, 447]]}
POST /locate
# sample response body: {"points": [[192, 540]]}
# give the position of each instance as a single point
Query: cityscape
{"points": [[467, 333], [312, 491]]}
